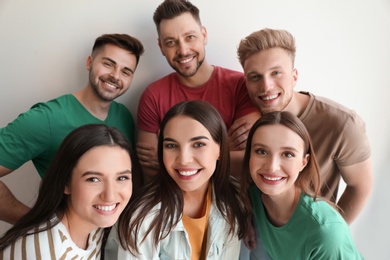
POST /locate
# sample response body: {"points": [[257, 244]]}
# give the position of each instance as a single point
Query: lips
{"points": [[188, 173], [106, 207]]}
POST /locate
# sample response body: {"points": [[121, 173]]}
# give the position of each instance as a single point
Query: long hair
{"points": [[163, 189], [123, 41], [309, 178], [51, 198], [170, 9], [263, 40]]}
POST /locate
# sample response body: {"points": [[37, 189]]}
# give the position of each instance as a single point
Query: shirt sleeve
{"points": [[25, 138]]}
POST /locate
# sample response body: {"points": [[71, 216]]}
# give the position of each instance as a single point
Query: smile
{"points": [[268, 98], [105, 208], [272, 178], [188, 173]]}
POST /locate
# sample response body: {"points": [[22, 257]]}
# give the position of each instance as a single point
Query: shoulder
{"points": [[164, 82]]}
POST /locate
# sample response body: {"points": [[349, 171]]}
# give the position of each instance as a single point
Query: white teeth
{"points": [[188, 173], [185, 61], [272, 179], [105, 208], [269, 97], [110, 85]]}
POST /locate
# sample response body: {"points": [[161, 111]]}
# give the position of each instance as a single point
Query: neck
{"points": [[78, 233], [298, 104], [194, 202], [97, 107], [200, 78], [281, 207]]}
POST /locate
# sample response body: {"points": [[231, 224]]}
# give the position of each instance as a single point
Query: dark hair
{"points": [[266, 39], [123, 41], [51, 198], [309, 178], [163, 189], [172, 8]]}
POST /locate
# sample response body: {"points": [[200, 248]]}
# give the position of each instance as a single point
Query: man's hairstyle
{"points": [[263, 40], [172, 8], [123, 41]]}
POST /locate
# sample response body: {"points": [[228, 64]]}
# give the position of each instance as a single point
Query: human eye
{"points": [[93, 179], [260, 151], [170, 145], [170, 43], [126, 73], [276, 73], [288, 154], [199, 144], [107, 64], [124, 177], [253, 77], [191, 37]]}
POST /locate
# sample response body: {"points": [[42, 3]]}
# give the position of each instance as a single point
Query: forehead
{"points": [[117, 54], [178, 25], [277, 136], [184, 127], [267, 59]]}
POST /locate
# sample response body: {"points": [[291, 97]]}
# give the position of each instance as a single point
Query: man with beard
{"points": [[182, 40], [37, 134]]}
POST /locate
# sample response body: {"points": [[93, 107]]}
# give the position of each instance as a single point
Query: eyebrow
{"points": [[283, 148], [196, 138], [94, 173], [114, 62]]}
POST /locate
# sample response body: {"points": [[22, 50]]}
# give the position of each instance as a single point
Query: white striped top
{"points": [[54, 243]]}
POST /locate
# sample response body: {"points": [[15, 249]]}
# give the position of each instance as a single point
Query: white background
{"points": [[343, 52]]}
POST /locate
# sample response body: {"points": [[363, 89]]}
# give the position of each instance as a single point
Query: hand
{"points": [[238, 134], [147, 155]]}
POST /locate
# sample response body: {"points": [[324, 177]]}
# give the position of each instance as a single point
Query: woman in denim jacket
{"points": [[191, 209]]}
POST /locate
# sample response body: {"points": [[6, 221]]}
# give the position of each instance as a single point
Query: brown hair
{"points": [[263, 40]]}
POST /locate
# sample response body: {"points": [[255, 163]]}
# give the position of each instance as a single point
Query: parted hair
{"points": [[51, 198], [163, 189], [309, 178]]}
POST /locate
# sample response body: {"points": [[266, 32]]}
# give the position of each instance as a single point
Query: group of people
{"points": [[224, 165]]}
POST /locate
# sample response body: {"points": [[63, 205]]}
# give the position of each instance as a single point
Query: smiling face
{"points": [[189, 153], [270, 79], [182, 41], [100, 188], [276, 158], [111, 71]]}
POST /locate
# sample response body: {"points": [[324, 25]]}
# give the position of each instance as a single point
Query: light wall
{"points": [[343, 53]]}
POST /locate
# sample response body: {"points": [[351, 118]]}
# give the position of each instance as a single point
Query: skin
{"points": [[190, 155], [182, 41], [100, 188], [110, 66], [271, 78], [275, 164]]}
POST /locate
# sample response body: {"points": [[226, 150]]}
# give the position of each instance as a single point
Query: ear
{"points": [[305, 161], [160, 46], [295, 76], [204, 33], [67, 190], [89, 63]]}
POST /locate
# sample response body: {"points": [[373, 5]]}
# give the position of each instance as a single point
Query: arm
{"points": [[358, 180], [11, 209], [239, 130], [146, 148]]}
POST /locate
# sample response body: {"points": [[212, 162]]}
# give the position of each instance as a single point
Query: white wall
{"points": [[343, 53]]}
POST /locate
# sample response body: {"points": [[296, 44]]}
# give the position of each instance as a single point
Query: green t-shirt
{"points": [[314, 231], [37, 134]]}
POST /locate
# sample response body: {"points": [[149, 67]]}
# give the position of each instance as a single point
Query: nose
{"points": [[115, 74], [185, 156], [267, 84], [272, 164], [108, 193], [182, 48]]}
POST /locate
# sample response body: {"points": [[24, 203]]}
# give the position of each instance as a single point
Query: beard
{"points": [[187, 73], [101, 93]]}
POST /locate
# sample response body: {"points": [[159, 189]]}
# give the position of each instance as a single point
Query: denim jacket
{"points": [[176, 246]]}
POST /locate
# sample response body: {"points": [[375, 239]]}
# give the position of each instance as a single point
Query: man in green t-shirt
{"points": [[37, 134]]}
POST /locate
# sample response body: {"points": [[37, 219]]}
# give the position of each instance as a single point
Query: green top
{"points": [[37, 134], [314, 231]]}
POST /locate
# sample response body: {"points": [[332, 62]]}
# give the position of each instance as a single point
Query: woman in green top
{"points": [[283, 183]]}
